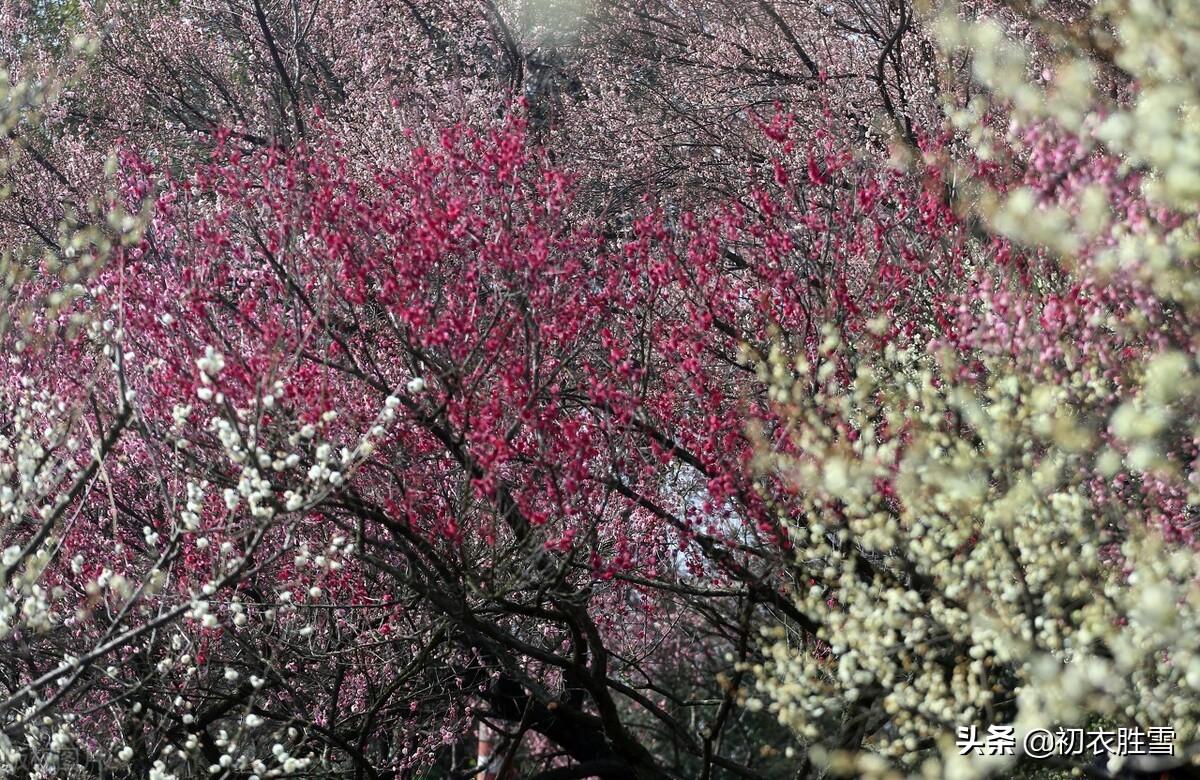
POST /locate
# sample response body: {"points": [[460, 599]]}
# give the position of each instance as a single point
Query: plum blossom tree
{"points": [[375, 372], [427, 448]]}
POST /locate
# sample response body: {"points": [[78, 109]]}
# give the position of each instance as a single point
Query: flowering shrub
{"points": [[1000, 520]]}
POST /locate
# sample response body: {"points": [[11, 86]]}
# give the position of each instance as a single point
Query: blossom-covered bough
{"points": [[1000, 517]]}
